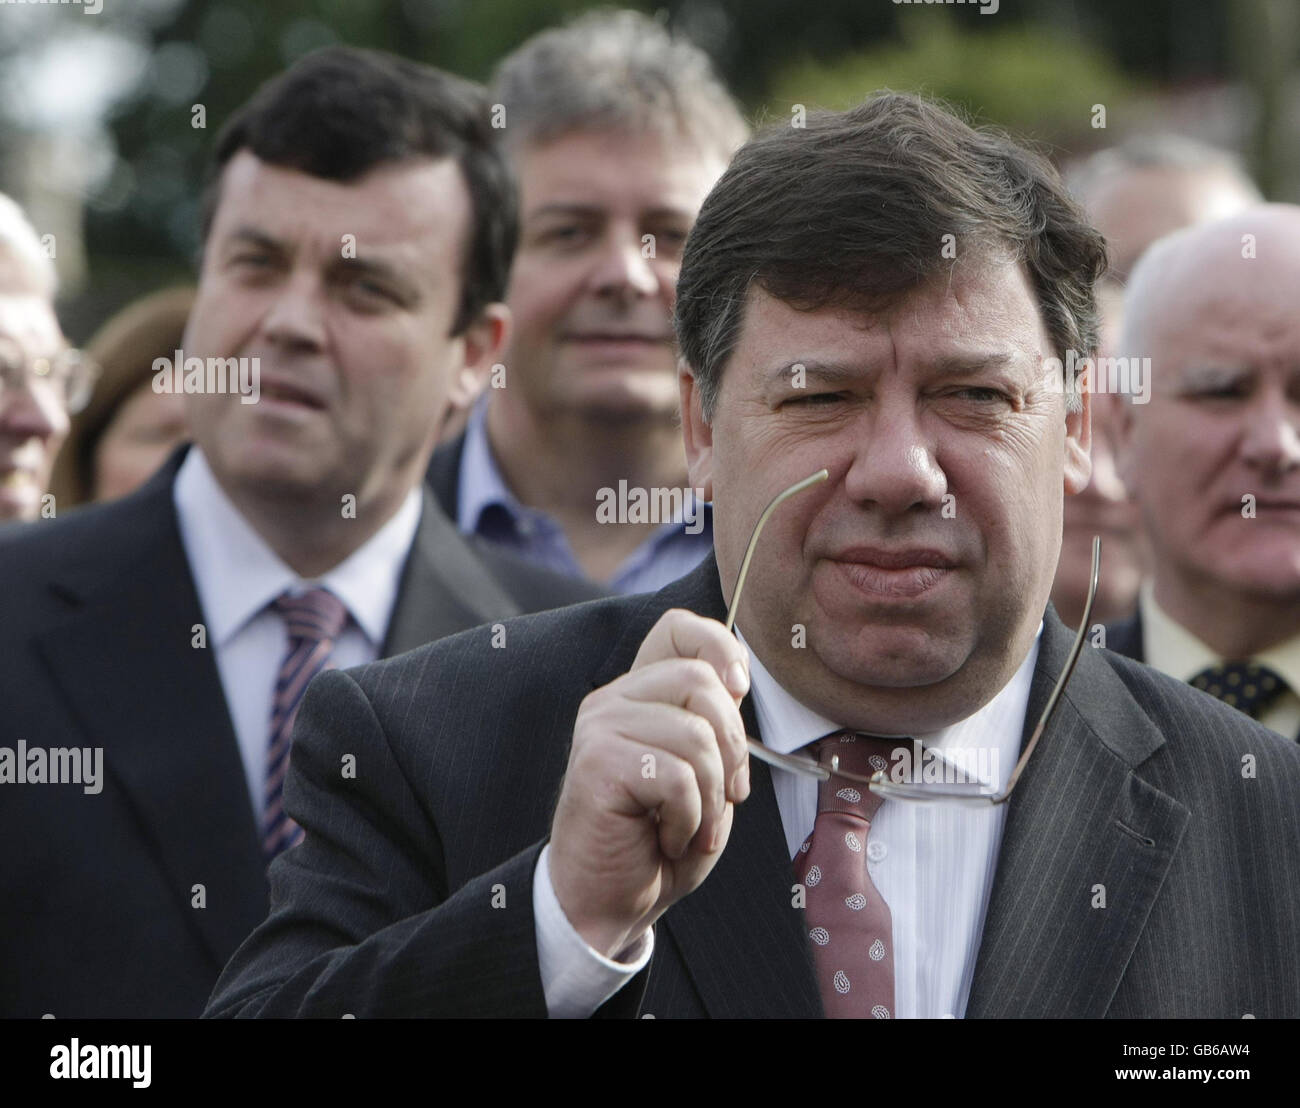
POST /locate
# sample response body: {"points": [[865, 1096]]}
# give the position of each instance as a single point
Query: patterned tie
{"points": [[1247, 686], [314, 620], [849, 922]]}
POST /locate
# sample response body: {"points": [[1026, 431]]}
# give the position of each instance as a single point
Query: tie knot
{"points": [[315, 615], [861, 755], [1247, 686]]}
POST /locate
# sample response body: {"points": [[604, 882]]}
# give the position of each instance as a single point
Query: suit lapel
{"points": [[124, 662], [1083, 825], [445, 588], [740, 935]]}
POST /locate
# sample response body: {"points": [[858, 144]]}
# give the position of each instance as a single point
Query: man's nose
{"points": [[623, 269], [894, 466], [28, 413], [1269, 442], [296, 317]]}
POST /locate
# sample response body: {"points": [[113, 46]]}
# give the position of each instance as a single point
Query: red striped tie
{"points": [[314, 620]]}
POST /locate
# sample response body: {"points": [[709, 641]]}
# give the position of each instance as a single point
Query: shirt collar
{"points": [[788, 725], [237, 574], [1170, 647], [480, 484]]}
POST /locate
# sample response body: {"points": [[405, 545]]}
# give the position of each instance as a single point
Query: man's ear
{"points": [[484, 341], [1078, 444], [697, 435], [1125, 451]]}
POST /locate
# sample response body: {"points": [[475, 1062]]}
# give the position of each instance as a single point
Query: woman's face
{"points": [[136, 442]]}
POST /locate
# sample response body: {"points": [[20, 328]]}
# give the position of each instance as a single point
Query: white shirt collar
{"points": [[788, 725], [237, 574]]}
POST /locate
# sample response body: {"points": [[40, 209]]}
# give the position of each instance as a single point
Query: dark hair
{"points": [[340, 112], [851, 210]]}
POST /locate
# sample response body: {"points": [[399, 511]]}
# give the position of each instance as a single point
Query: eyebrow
{"points": [[826, 373], [589, 211], [965, 365], [255, 237], [952, 365], [364, 266], [1198, 376]]}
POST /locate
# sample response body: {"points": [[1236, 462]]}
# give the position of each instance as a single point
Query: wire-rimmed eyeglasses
{"points": [[69, 375], [974, 793]]}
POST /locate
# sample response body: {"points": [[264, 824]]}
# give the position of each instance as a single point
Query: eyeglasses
{"points": [[970, 794], [69, 375]]}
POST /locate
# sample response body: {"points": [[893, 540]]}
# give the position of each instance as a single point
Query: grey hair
{"points": [[19, 240], [615, 71], [1161, 150]]}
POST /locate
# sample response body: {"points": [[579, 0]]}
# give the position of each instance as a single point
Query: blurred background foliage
{"points": [[97, 112], [1014, 77]]}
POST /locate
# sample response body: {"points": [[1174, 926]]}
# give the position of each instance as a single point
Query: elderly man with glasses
{"points": [[42, 381], [873, 314]]}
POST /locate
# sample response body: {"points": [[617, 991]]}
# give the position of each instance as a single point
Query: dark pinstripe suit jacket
{"points": [[412, 892]]}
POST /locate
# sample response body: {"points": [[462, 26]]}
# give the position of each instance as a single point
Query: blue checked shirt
{"points": [[486, 507]]}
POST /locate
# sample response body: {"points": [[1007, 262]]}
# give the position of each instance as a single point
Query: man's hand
{"points": [[658, 761]]}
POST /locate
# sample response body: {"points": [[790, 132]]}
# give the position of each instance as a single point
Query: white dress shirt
{"points": [[237, 575], [932, 863]]}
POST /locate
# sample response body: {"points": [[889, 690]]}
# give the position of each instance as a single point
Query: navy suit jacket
{"points": [[128, 903], [412, 892], [1125, 637]]}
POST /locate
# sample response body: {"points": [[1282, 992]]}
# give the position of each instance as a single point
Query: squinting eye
{"points": [[371, 292], [672, 237], [983, 395], [564, 235], [1221, 392], [816, 399]]}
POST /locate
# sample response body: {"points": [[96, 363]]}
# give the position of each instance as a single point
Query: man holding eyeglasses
{"points": [[42, 382], [872, 310]]}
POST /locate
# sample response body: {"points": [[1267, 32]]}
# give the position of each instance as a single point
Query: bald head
{"points": [[24, 266], [1228, 279], [1213, 460]]}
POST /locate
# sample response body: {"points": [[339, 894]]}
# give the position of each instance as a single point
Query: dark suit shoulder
{"points": [[506, 683], [533, 587], [563, 647], [87, 546], [66, 535]]}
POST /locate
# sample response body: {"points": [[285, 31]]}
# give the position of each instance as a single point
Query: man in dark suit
{"points": [[1212, 459], [356, 256], [905, 597]]}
